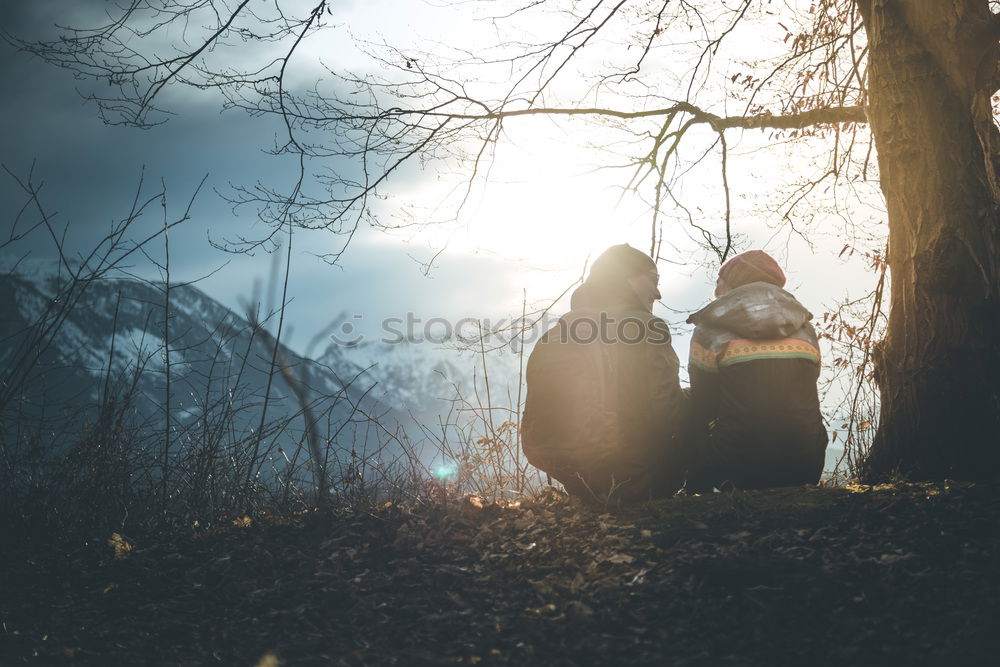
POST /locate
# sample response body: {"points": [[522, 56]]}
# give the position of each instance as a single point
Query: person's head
{"points": [[747, 267], [623, 263]]}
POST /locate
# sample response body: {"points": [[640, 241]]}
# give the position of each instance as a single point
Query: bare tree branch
{"points": [[823, 116]]}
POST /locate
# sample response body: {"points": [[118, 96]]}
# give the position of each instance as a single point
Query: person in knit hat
{"points": [[749, 267], [754, 365], [604, 406], [621, 274]]}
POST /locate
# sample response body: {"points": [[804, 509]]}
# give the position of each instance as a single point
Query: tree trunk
{"points": [[932, 70]]}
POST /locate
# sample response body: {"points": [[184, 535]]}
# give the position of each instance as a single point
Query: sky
{"points": [[91, 172], [528, 236]]}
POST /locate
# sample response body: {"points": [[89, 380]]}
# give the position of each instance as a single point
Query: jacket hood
{"points": [[756, 311], [602, 294]]}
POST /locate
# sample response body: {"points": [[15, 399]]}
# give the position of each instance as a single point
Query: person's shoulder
{"points": [[636, 324], [636, 313]]}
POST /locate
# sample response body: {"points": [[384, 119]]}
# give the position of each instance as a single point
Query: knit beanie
{"points": [[620, 262], [750, 267]]}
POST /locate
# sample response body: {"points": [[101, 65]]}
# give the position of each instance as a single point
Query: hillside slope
{"points": [[901, 574]]}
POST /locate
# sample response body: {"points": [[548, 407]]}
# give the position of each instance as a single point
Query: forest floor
{"points": [[894, 575]]}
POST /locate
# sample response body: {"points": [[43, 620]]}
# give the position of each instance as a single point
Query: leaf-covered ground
{"points": [[901, 575]]}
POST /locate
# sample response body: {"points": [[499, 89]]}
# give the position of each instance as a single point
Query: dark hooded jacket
{"points": [[604, 402], [754, 364]]}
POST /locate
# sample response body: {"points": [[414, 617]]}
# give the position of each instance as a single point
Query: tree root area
{"points": [[903, 574]]}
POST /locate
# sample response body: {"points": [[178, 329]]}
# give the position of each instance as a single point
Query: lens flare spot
{"points": [[445, 470]]}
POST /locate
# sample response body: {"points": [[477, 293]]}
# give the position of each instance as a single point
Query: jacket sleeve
{"points": [[662, 370], [704, 394]]}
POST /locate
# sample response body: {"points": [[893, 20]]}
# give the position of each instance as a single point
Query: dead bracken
{"points": [[860, 575]]}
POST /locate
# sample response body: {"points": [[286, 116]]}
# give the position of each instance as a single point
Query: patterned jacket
{"points": [[753, 367]]}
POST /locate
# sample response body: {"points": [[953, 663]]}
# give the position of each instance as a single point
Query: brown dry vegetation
{"points": [[899, 574]]}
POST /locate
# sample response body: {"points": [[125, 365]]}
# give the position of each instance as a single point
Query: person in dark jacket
{"points": [[753, 366], [604, 404]]}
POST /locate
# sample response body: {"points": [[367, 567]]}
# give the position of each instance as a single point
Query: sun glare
{"points": [[545, 208]]}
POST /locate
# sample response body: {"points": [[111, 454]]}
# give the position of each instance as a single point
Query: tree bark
{"points": [[931, 74]]}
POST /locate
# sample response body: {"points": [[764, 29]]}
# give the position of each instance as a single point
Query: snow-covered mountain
{"points": [[67, 347], [423, 380]]}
